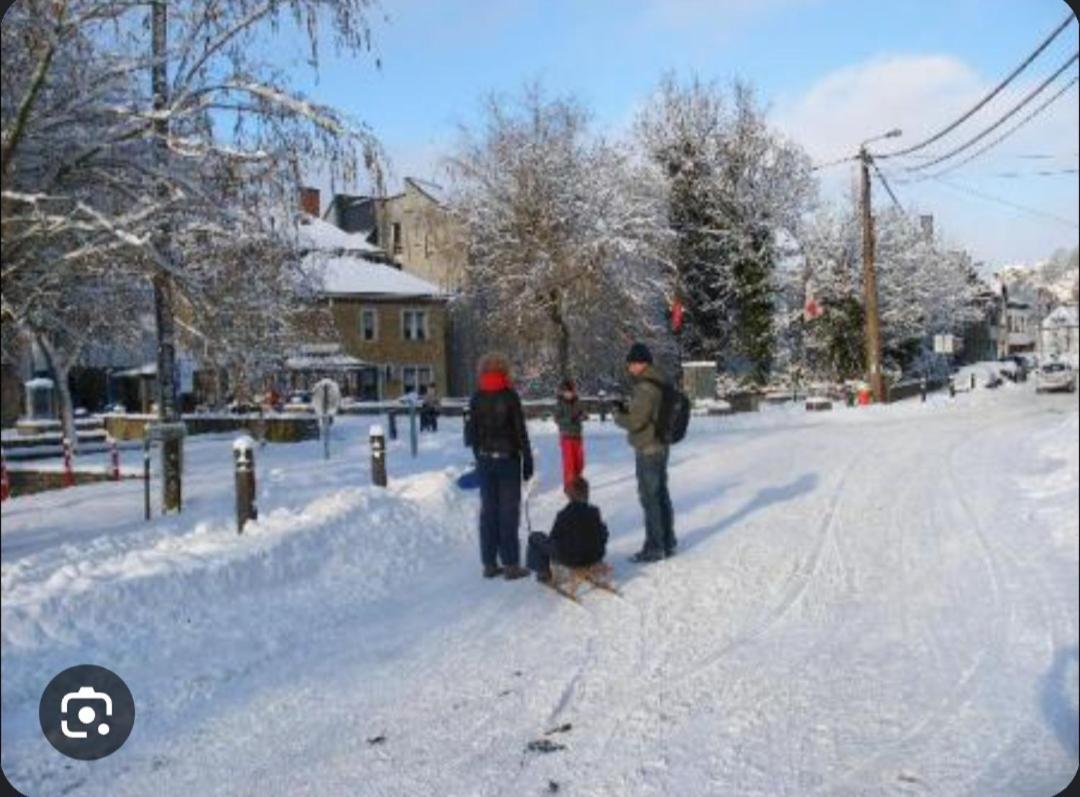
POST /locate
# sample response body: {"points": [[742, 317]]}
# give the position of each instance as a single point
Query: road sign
{"points": [[326, 397]]}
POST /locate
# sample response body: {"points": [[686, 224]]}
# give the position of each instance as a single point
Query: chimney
{"points": [[309, 200], [927, 224]]}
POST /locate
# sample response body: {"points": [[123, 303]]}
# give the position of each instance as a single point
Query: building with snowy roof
{"points": [[390, 326]]}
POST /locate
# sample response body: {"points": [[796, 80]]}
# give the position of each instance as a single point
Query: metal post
{"points": [[378, 455], [324, 430], [922, 387], [413, 441], [114, 460], [870, 297], [392, 422], [602, 394], [244, 461], [972, 380], [146, 471]]}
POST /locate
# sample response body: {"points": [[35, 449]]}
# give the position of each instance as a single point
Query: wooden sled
{"points": [[566, 580]]}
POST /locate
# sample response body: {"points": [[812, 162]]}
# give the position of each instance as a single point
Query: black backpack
{"points": [[674, 414]]}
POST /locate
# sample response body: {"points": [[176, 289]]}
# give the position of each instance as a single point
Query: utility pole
{"points": [[870, 296], [168, 409]]}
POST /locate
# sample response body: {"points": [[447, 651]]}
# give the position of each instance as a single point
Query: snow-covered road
{"points": [[872, 601]]}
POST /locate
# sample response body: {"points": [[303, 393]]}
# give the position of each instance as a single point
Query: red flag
{"points": [[676, 314]]}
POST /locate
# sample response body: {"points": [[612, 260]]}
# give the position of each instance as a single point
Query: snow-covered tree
{"points": [[563, 234], [152, 133], [734, 185], [924, 289]]}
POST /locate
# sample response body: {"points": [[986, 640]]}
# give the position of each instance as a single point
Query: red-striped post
{"points": [[5, 485], [114, 460], [69, 472]]}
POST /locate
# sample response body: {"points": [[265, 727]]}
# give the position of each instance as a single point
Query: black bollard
{"points": [[392, 418], [973, 381], [378, 455], [602, 395], [413, 439], [244, 460], [922, 388], [146, 471]]}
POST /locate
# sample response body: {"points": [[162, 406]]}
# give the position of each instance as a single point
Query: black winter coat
{"points": [[579, 536], [497, 425]]}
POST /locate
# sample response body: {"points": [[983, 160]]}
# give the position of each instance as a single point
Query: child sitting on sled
{"points": [[577, 539]]}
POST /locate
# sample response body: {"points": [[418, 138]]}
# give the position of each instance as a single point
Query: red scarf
{"points": [[494, 381]]}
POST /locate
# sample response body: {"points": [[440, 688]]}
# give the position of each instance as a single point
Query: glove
{"points": [[527, 468]]}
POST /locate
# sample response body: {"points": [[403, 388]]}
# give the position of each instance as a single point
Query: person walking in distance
{"points": [[569, 416], [639, 419], [500, 441]]}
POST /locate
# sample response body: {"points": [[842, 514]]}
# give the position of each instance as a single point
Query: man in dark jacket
{"points": [[577, 539], [496, 431], [639, 418]]}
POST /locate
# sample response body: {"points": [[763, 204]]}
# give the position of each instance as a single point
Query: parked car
{"points": [[1055, 376]]}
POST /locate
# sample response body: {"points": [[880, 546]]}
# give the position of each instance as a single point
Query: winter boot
{"points": [[514, 572], [490, 571]]}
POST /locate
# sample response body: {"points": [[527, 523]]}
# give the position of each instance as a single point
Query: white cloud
{"points": [[921, 94]]}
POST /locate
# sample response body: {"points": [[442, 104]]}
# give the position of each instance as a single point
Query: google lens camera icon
{"points": [[86, 714]]}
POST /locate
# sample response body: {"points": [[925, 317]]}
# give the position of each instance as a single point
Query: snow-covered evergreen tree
{"points": [[734, 185]]}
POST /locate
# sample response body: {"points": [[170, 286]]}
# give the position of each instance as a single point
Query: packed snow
{"points": [[874, 600]]}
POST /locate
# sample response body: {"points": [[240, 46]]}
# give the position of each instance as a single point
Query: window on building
{"points": [[395, 235], [416, 378], [369, 324], [414, 325]]}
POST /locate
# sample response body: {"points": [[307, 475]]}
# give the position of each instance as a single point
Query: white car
{"points": [[1055, 376]]}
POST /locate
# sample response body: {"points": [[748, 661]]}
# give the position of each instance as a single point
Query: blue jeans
{"points": [[652, 483], [500, 509]]}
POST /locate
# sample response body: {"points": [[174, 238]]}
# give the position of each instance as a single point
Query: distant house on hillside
{"points": [[1059, 334], [1021, 321]]}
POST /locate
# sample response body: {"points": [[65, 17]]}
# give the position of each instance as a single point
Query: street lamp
{"points": [[896, 132]]}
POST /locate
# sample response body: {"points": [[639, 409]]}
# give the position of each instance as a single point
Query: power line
{"points": [[836, 162], [1042, 107], [885, 183], [994, 142], [1006, 202], [987, 131], [997, 90], [1040, 173]]}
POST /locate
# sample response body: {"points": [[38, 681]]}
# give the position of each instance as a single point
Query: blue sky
{"points": [[832, 72]]}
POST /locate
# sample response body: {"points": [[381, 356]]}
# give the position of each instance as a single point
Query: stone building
{"points": [[389, 326], [417, 233]]}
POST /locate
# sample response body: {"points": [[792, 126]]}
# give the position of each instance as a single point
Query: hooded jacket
{"points": [[639, 419]]}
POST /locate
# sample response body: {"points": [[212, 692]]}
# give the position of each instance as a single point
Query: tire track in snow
{"points": [[946, 712], [797, 585]]}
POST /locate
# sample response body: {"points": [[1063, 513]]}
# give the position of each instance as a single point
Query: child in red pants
{"points": [[569, 416]]}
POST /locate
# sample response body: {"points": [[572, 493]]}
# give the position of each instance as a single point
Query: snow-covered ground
{"points": [[878, 600]]}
